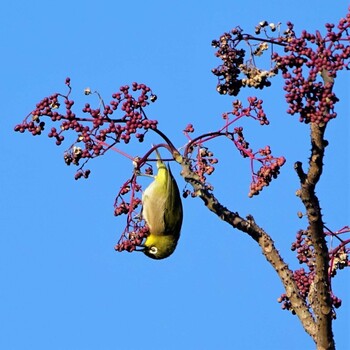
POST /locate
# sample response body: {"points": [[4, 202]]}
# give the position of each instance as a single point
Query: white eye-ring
{"points": [[153, 250]]}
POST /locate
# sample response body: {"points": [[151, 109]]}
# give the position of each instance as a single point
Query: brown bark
{"points": [[321, 301]]}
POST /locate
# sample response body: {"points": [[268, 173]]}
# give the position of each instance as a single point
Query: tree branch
{"points": [[321, 302], [262, 238]]}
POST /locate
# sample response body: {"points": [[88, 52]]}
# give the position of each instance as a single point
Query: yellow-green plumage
{"points": [[162, 211]]}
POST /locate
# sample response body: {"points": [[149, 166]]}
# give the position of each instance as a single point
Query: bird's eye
{"points": [[153, 250]]}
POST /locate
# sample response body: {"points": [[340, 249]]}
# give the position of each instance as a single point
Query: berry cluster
{"points": [[236, 71], [203, 164], [136, 230], [97, 126], [268, 171], [306, 57], [255, 77], [120, 205], [270, 165], [303, 60], [338, 259], [304, 282], [254, 110], [241, 143], [286, 304], [304, 249], [228, 73], [132, 240]]}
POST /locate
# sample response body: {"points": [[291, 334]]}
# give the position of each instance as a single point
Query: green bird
{"points": [[162, 212]]}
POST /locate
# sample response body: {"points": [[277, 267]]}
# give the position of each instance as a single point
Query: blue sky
{"points": [[62, 284]]}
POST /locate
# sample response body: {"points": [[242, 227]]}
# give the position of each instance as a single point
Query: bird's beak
{"points": [[142, 249]]}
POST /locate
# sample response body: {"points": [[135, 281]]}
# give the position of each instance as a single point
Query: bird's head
{"points": [[159, 247]]}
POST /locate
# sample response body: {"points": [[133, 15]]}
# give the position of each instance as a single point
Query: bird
{"points": [[163, 213]]}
